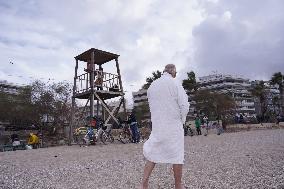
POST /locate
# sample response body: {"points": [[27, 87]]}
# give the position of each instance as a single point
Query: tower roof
{"points": [[101, 57]]}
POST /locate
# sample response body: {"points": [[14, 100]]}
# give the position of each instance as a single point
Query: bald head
{"points": [[171, 69]]}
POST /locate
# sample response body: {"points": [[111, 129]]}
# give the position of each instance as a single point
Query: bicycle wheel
{"points": [[81, 141], [143, 138], [110, 138], [124, 137], [107, 138], [103, 137]]}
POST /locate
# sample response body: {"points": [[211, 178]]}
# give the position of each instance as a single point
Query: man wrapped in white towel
{"points": [[169, 106]]}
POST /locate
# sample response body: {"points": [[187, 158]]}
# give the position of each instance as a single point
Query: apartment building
{"points": [[235, 86], [140, 102], [140, 97], [9, 88], [272, 98], [115, 103]]}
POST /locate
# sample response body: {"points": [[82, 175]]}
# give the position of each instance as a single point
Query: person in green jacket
{"points": [[197, 125]]}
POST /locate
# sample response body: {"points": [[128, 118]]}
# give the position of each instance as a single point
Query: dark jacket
{"points": [[131, 119]]}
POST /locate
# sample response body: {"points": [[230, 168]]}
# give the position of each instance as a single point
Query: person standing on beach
{"points": [[134, 127], [206, 122], [168, 106], [197, 125]]}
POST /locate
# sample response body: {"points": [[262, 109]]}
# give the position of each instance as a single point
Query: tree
{"points": [[214, 104], [190, 84], [53, 101], [62, 102], [278, 79], [155, 75], [26, 111], [5, 106], [259, 92], [31, 103], [276, 103], [142, 112], [16, 108], [43, 99]]}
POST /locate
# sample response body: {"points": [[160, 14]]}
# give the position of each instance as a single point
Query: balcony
{"points": [[106, 85]]}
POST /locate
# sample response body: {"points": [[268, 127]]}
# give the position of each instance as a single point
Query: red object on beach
{"points": [[93, 123]]}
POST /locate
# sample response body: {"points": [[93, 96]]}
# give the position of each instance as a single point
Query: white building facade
{"points": [[9, 88], [140, 101], [272, 98], [140, 97], [235, 86]]}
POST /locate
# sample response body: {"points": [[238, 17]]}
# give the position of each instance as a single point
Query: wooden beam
{"points": [[120, 83], [92, 84], [98, 108], [87, 80], [106, 107], [73, 106], [114, 110]]}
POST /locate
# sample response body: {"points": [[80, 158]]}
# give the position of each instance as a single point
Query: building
{"points": [[235, 86], [141, 105], [272, 98], [115, 103], [192, 108], [140, 97], [9, 88]]}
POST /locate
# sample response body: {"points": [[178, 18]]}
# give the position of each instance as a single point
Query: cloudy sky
{"points": [[39, 39]]}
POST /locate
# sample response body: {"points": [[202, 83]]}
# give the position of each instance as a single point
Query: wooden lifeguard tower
{"points": [[95, 84]]}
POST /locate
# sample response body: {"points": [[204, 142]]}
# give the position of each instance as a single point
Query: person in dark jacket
{"points": [[134, 127], [14, 137]]}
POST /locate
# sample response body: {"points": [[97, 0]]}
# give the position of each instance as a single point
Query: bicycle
{"points": [[105, 134], [126, 136], [91, 139], [187, 130], [102, 133]]}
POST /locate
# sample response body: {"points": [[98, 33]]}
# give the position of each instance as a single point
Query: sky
{"points": [[39, 39]]}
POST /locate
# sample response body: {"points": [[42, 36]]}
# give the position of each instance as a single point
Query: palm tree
{"points": [[278, 79], [275, 103], [155, 75], [190, 84], [259, 92]]}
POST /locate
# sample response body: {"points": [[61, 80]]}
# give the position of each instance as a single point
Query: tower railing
{"points": [[102, 81]]}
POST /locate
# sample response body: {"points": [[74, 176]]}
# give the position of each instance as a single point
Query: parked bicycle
{"points": [[125, 136], [88, 135], [105, 135], [187, 130]]}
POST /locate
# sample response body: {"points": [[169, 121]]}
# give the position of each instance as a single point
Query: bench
{"points": [[10, 147], [6, 147]]}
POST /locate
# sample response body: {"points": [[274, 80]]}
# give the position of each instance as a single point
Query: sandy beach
{"points": [[253, 159]]}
